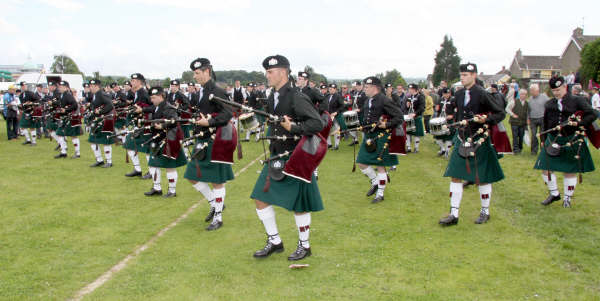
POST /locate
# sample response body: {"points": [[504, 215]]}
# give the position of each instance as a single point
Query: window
{"points": [[555, 73], [536, 74]]}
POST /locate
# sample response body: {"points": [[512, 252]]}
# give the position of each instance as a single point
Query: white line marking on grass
{"points": [[123, 263]]}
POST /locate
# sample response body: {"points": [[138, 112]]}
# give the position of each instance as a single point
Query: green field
{"points": [[63, 224]]}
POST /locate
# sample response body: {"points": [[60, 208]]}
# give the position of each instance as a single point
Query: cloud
{"points": [[7, 27], [71, 5], [201, 6]]}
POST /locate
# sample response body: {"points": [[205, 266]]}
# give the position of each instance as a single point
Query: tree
{"points": [[64, 64], [447, 63], [393, 77], [314, 76], [590, 62]]}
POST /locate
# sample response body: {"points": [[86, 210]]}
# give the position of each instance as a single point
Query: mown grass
{"points": [[64, 224]]}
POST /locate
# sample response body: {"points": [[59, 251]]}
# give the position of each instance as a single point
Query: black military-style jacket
{"points": [[379, 105], [450, 106], [481, 102], [28, 96], [141, 97], [298, 107], [164, 111], [68, 102], [316, 98], [570, 104], [220, 113], [335, 103], [417, 102], [180, 98], [102, 101]]}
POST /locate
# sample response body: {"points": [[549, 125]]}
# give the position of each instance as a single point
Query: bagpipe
{"points": [[102, 123], [307, 155], [165, 141], [468, 145]]}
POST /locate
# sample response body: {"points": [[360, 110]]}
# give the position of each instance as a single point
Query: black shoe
{"points": [[329, 146], [336, 148], [170, 195], [483, 218], [353, 143], [372, 190], [416, 151], [210, 215], [214, 226], [408, 150], [441, 153], [567, 202], [153, 192], [57, 147], [61, 155], [147, 176], [76, 156], [377, 200], [393, 168], [269, 249], [26, 142], [550, 199], [245, 140], [300, 253], [467, 184], [134, 173], [98, 163], [449, 220], [107, 165]]}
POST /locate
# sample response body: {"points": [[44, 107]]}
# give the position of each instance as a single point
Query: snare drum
{"points": [[411, 126], [438, 126], [248, 121], [351, 118]]}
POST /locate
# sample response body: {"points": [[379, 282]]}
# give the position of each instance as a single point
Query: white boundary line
{"points": [[125, 261]]}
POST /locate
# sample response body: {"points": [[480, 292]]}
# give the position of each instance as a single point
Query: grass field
{"points": [[63, 224]]}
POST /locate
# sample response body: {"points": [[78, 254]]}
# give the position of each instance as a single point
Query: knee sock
{"points": [[485, 193], [456, 191], [303, 224], [552, 185], [108, 153], [267, 216], [219, 194], [76, 146], [96, 150], [135, 160], [381, 179], [370, 173], [172, 177], [206, 192]]}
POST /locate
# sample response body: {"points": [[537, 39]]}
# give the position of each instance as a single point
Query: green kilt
{"points": [[261, 119], [51, 124], [101, 138], [419, 129], [566, 161], [340, 120], [289, 193], [186, 128], [364, 157], [209, 172], [31, 123], [162, 161], [69, 131], [486, 167], [120, 123], [448, 137], [136, 144]]}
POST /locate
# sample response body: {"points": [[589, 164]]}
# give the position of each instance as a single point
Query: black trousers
{"points": [[518, 131], [12, 126], [426, 120]]}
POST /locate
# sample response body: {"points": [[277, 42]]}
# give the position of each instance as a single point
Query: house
{"points": [[535, 67], [571, 56], [498, 78]]}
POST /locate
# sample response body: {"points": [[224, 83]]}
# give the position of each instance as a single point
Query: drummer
{"points": [[299, 118], [335, 107], [379, 110], [252, 99], [415, 106], [445, 109], [481, 166], [358, 99], [573, 157], [201, 170]]}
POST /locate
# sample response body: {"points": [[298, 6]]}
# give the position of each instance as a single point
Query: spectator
{"points": [[596, 101], [500, 100], [518, 111], [11, 111], [536, 104], [428, 109]]}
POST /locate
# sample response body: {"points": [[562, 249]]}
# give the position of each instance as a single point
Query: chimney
{"points": [[519, 55], [578, 32]]}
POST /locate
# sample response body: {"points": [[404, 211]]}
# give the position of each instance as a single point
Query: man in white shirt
{"points": [[596, 101]]}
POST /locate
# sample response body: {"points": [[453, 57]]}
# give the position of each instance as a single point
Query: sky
{"points": [[341, 39]]}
